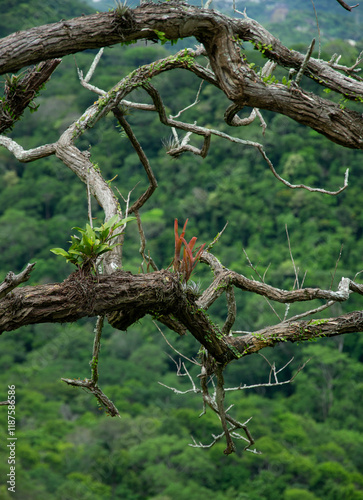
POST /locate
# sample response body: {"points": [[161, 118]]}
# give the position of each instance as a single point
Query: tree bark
{"points": [[218, 33], [126, 298]]}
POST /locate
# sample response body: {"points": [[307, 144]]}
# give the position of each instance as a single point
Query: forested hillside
{"points": [[310, 432]]}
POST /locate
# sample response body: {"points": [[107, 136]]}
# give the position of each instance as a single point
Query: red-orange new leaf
{"points": [[178, 244], [189, 260]]}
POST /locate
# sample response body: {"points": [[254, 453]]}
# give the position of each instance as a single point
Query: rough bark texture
{"points": [[20, 91], [298, 332], [218, 34], [124, 297]]}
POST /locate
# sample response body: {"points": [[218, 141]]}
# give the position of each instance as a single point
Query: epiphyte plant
{"points": [[190, 259], [94, 242]]}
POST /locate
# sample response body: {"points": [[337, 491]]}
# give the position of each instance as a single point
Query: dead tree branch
{"points": [[13, 280]]}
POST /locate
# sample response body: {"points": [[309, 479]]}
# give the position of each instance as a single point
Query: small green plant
{"points": [[286, 81], [269, 79], [190, 260], [121, 8], [262, 47], [94, 242], [163, 39]]}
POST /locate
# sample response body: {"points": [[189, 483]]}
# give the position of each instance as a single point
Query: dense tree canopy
{"points": [[102, 284]]}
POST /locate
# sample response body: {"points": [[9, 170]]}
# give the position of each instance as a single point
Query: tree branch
{"points": [[143, 159], [20, 91], [231, 73], [13, 280], [298, 332], [346, 6]]}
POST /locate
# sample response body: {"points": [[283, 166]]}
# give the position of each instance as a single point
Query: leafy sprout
{"points": [[93, 242]]}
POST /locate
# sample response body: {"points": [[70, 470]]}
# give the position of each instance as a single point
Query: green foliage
{"points": [[121, 8], [94, 242], [164, 39], [310, 432]]}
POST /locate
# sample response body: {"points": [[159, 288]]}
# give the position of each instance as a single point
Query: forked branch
{"points": [[91, 384]]}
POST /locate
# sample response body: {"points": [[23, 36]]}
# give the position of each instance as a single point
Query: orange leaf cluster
{"points": [[190, 258]]}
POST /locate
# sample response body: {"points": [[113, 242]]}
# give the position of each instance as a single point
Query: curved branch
{"points": [[21, 90], [29, 155], [320, 71], [217, 33], [225, 278], [142, 157]]}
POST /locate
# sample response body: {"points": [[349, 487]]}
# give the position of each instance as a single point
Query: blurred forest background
{"points": [[310, 432]]}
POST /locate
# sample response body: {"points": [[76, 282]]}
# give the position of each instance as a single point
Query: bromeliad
{"points": [[186, 266]]}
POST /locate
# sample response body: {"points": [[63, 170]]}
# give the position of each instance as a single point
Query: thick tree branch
{"points": [[20, 91], [320, 71], [217, 32], [127, 298], [298, 332]]}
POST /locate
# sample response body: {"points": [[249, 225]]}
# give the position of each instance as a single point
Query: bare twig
{"points": [[302, 186], [336, 267], [308, 55], [221, 411], [148, 259], [216, 239], [91, 385], [346, 6], [96, 348], [273, 373], [143, 158], [94, 64], [296, 271], [97, 392], [262, 278], [85, 81], [13, 280], [196, 100], [177, 352], [310, 311]]}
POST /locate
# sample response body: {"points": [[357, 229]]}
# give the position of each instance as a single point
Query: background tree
{"points": [[123, 296]]}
